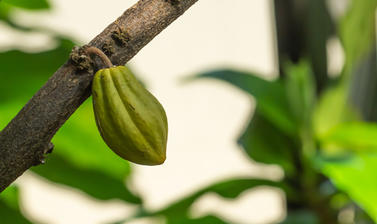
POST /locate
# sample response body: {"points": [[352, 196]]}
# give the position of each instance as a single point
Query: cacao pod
{"points": [[129, 118]]}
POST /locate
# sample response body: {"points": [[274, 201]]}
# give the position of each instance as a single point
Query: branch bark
{"points": [[26, 139]]}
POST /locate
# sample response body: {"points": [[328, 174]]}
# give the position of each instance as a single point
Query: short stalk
{"points": [[100, 54]]}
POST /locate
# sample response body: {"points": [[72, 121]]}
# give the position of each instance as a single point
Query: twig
{"points": [[25, 140]]}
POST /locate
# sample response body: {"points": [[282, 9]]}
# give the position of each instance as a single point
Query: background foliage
{"points": [[319, 129]]}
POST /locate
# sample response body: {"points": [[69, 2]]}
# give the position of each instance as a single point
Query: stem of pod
{"points": [[100, 54]]}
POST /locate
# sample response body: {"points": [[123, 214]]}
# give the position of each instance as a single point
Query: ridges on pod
{"points": [[130, 119]]}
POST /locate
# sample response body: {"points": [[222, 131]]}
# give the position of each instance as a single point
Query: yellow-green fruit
{"points": [[130, 119]]}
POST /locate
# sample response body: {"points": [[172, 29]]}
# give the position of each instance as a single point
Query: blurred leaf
{"points": [[209, 219], [91, 181], [264, 143], [8, 13], [28, 4], [202, 220], [81, 159], [79, 144], [357, 31], [356, 137], [331, 110], [84, 147], [22, 73], [9, 207], [8, 111], [270, 95], [5, 10], [178, 212], [228, 189], [301, 95], [301, 217], [356, 177], [300, 88]]}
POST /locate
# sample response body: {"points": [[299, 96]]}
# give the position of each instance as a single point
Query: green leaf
{"points": [[22, 73], [91, 166], [356, 177], [202, 220], [264, 143], [301, 95], [300, 217], [357, 137], [270, 95], [332, 110], [209, 219], [80, 159], [178, 212], [84, 147], [28, 4], [357, 31], [300, 89], [91, 181], [8, 13], [5, 10], [228, 189], [9, 207]]}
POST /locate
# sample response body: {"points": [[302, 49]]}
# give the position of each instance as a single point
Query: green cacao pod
{"points": [[129, 118]]}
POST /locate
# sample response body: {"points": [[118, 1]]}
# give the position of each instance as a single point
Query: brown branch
{"points": [[26, 139]]}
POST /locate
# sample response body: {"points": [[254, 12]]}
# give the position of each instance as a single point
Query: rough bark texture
{"points": [[26, 139]]}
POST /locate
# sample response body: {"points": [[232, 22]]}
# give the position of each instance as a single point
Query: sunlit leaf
{"points": [[359, 136], [355, 176], [5, 10], [332, 109], [357, 35], [28, 4], [270, 95], [10, 208]]}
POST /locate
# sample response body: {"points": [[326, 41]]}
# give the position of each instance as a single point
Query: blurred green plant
{"points": [[10, 208], [307, 122], [319, 129]]}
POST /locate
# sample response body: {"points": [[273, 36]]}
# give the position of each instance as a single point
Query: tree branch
{"points": [[26, 139]]}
